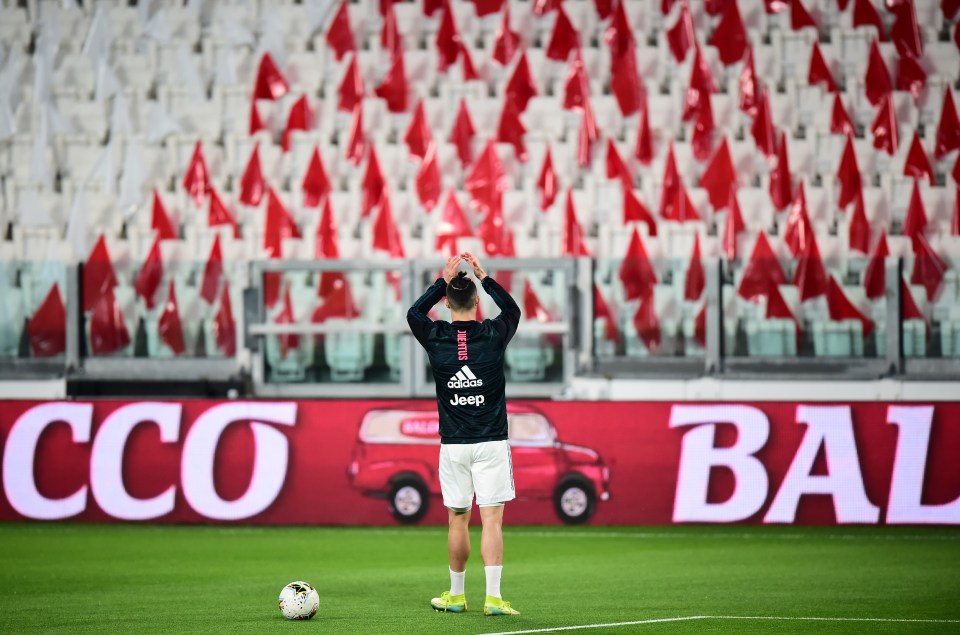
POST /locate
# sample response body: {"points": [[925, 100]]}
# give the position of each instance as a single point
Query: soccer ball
{"points": [[299, 601]]}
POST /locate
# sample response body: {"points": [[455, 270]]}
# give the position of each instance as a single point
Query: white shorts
{"points": [[482, 468]]}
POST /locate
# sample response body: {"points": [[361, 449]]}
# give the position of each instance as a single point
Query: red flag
{"points": [[848, 175], [47, 329], [842, 4], [493, 233], [428, 179], [910, 309], [270, 82], [840, 122], [256, 124], [948, 130], [928, 267], [469, 70], [212, 272], [884, 127], [418, 135], [762, 130], [340, 35], [564, 39], [286, 316], [487, 181], [681, 209], [917, 163], [351, 88], [576, 91], [357, 144], [877, 79], [911, 76], [781, 184], [956, 34], [604, 8], [955, 222], [148, 278], [301, 118], [601, 311], [733, 226], [505, 41], [915, 222], [98, 275], [588, 135], [547, 181], [905, 33], [224, 328], [949, 8], [671, 182], [799, 229], [799, 17], [390, 38], [636, 272], [680, 36], [453, 224], [859, 235], [521, 86], [619, 35], [218, 214], [749, 86], [810, 276], [169, 327], [252, 181], [394, 89], [625, 81], [719, 176], [532, 307], [695, 278], [448, 39], [956, 171], [616, 168], [646, 323], [337, 302], [635, 211], [386, 237], [315, 184], [819, 71], [730, 36], [644, 149], [700, 87], [573, 244], [487, 7], [865, 14], [510, 129], [875, 275], [372, 187], [279, 225], [461, 135], [327, 243], [762, 272], [108, 330], [702, 138], [196, 180], [160, 220], [840, 307]]}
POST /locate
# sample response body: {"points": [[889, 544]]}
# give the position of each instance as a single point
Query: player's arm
{"points": [[508, 320], [420, 323]]}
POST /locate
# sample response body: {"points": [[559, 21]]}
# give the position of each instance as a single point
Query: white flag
{"points": [[272, 39], [10, 78], [157, 28], [318, 12], [143, 11], [107, 83], [162, 124], [99, 37], [39, 166], [120, 123], [30, 210], [132, 179], [234, 32], [77, 225], [188, 75], [8, 127], [104, 173]]}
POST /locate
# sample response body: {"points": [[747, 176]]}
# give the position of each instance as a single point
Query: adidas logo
{"points": [[464, 379]]}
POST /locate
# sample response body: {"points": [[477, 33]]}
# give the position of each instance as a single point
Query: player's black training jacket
{"points": [[467, 362]]}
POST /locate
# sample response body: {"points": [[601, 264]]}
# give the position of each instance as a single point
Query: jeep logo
{"points": [[472, 400]]}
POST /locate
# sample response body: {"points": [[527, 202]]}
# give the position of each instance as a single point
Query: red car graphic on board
{"points": [[397, 453]]}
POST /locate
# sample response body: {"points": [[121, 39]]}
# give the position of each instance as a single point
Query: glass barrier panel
{"points": [[33, 309], [647, 309], [365, 304], [535, 354]]}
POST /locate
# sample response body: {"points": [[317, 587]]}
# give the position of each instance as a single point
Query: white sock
{"points": [[493, 580], [456, 582]]}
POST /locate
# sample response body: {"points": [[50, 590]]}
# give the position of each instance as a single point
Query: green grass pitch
{"points": [[71, 578]]}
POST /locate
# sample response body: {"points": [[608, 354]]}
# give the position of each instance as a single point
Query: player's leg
{"points": [[457, 488], [493, 480]]}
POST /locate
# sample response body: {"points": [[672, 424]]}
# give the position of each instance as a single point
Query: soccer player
{"points": [[467, 361]]}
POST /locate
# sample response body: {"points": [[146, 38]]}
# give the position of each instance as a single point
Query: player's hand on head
{"points": [[450, 269], [478, 270]]}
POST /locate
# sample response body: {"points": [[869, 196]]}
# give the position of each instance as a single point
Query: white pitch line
{"points": [[725, 617]]}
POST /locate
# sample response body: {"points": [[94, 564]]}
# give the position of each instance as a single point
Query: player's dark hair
{"points": [[461, 291]]}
